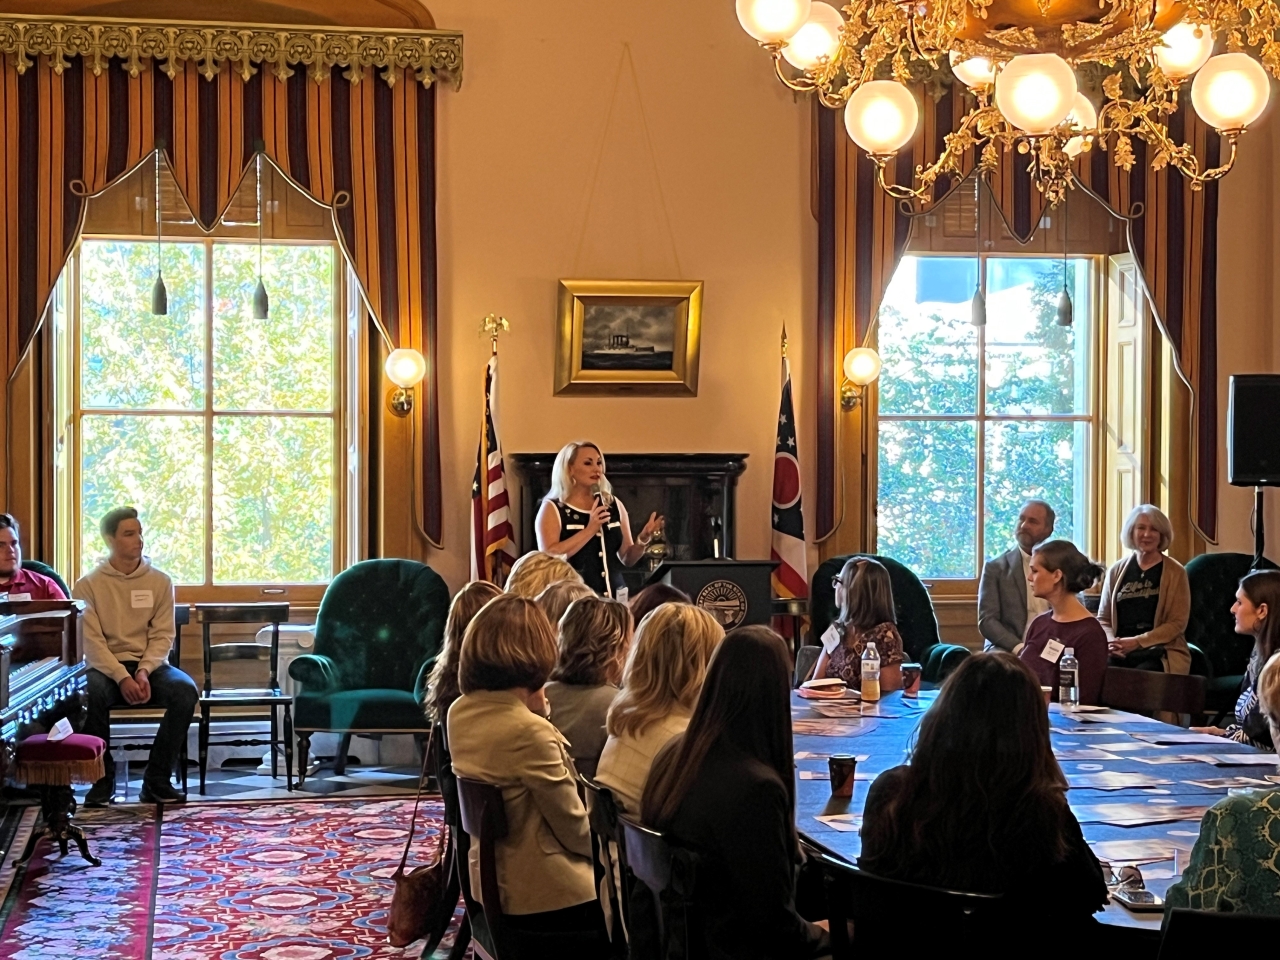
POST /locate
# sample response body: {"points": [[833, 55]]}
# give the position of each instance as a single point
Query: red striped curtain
{"points": [[1172, 233], [365, 149]]}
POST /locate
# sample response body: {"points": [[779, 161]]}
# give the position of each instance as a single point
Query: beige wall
{"points": [[1248, 308], [545, 172]]}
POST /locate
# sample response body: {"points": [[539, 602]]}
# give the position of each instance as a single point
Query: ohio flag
{"points": [[791, 577]]}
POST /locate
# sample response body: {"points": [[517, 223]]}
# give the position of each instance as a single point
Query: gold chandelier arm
{"points": [[956, 144], [1183, 159]]}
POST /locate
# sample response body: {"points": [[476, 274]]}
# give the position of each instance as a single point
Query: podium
{"points": [[736, 592]]}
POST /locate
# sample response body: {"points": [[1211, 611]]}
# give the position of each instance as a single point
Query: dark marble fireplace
{"points": [[696, 492]]}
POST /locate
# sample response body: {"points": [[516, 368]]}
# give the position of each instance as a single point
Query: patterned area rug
{"points": [[291, 880]]}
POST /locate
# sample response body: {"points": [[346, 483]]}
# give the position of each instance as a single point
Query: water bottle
{"points": [[871, 673], [1069, 680]]}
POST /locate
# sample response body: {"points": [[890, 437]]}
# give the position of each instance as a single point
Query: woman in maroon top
{"points": [[1058, 572], [864, 594]]}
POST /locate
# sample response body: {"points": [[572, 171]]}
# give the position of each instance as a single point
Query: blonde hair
{"points": [[594, 635], [536, 571], [443, 687], [1269, 694], [508, 644], [668, 662], [562, 483], [1158, 520], [555, 600]]}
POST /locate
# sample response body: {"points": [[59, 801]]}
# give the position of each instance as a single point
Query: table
{"points": [[883, 731]]}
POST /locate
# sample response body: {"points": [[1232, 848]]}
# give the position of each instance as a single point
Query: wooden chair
{"points": [[806, 660], [260, 702], [1150, 691], [1196, 934], [484, 819], [458, 849], [611, 852], [181, 617], [888, 914], [668, 872]]}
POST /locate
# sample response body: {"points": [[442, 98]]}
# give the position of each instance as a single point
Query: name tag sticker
{"points": [[19, 596], [141, 599], [1052, 651], [622, 595], [830, 639]]}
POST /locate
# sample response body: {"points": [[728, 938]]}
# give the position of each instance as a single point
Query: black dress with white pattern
{"points": [[590, 561]]}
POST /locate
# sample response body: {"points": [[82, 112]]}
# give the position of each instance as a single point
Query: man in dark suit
{"points": [[1005, 602]]}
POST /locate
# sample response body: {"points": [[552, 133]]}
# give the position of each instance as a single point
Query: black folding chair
{"points": [[668, 872], [1196, 934], [888, 914]]}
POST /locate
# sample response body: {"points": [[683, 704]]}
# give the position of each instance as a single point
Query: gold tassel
{"points": [[59, 773]]}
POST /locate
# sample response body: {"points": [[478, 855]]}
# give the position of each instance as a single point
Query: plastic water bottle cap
{"points": [[1070, 652]]}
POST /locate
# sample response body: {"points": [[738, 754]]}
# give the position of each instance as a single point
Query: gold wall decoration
{"points": [[637, 337], [431, 54]]}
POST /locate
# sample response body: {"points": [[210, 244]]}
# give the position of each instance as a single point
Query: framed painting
{"points": [[635, 337]]}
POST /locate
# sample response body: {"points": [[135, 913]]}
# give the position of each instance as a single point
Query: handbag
{"points": [[419, 905]]}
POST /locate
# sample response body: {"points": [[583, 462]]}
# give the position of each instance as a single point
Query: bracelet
{"points": [[644, 543]]}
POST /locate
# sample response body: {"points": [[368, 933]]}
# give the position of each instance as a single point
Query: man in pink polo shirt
{"points": [[15, 582]]}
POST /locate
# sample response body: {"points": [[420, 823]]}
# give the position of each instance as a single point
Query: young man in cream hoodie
{"points": [[128, 632]]}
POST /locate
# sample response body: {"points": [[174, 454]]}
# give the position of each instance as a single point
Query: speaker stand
{"points": [[1259, 532]]}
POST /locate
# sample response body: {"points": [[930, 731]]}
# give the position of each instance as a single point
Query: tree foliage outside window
{"points": [[219, 428], [1018, 391]]}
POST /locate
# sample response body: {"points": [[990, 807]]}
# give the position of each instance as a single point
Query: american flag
{"points": [[790, 577], [492, 540]]}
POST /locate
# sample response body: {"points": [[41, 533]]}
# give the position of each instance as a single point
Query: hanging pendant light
{"points": [[261, 303], [159, 295], [1066, 310], [978, 317]]}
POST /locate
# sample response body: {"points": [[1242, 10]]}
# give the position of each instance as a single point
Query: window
{"points": [[974, 420], [224, 431]]}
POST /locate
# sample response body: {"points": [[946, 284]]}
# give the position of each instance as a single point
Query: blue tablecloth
{"points": [[884, 732]]}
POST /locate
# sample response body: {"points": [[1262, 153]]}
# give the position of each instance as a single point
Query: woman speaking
{"points": [[581, 520]]}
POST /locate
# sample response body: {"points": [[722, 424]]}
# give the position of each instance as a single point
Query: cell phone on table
{"points": [[1139, 901]]}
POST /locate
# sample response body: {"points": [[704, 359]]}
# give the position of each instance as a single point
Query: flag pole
{"points": [[491, 326]]}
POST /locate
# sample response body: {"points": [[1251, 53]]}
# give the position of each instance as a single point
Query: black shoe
{"points": [[159, 793], [101, 793]]}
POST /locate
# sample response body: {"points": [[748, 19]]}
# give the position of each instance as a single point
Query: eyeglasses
{"points": [[835, 582]]}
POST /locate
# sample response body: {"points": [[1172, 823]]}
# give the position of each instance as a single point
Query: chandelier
{"points": [[1020, 60]]}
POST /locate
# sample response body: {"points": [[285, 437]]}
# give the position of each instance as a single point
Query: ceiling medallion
{"points": [[1019, 60]]}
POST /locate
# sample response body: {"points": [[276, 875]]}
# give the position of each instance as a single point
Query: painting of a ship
{"points": [[628, 336]]}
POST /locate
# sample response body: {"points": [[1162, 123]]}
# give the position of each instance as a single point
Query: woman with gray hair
{"points": [[1146, 598]]}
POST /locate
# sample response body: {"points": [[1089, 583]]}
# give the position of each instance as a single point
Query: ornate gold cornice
{"points": [[432, 54]]}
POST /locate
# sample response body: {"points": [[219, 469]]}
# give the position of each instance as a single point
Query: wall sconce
{"points": [[405, 368], [861, 367]]}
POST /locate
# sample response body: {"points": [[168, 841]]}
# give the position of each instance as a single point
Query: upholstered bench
{"points": [[50, 767]]}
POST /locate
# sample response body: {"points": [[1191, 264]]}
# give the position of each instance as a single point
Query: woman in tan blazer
{"points": [[499, 734], [1146, 598]]}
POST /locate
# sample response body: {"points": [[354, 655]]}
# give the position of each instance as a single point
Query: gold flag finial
{"points": [[491, 326], [784, 341]]}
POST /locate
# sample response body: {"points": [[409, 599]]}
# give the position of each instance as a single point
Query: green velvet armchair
{"points": [[916, 621], [378, 632]]}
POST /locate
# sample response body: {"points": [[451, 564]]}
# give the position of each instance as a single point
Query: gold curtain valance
{"points": [[431, 54]]}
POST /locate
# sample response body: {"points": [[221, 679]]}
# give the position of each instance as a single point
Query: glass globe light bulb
{"points": [[1035, 91], [1082, 117], [974, 72], [817, 40], [1230, 91], [772, 21], [881, 117], [405, 368], [1182, 53], [862, 365]]}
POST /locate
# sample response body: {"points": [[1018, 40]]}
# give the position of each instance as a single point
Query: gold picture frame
{"points": [[641, 337]]}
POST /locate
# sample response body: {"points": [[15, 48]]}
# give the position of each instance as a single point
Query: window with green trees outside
{"points": [[975, 420], [221, 429]]}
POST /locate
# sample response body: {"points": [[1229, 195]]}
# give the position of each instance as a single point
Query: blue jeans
{"points": [[171, 689]]}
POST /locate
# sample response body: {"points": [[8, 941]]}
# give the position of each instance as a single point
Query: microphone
{"points": [[598, 493]]}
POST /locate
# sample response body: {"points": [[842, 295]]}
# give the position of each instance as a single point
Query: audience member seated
{"points": [[982, 804], [442, 688], [1235, 865], [595, 634], [660, 686], [865, 598], [555, 600], [1005, 604], [1146, 598], [128, 632], [1256, 600], [653, 596], [15, 582], [536, 571], [725, 788], [1058, 572], [499, 734]]}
